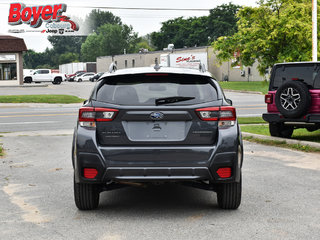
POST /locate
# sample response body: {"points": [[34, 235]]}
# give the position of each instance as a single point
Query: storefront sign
{"points": [[188, 60], [7, 57]]}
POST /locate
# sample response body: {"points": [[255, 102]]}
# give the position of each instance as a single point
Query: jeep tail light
{"points": [[268, 98], [224, 172], [90, 173], [226, 116], [88, 116]]}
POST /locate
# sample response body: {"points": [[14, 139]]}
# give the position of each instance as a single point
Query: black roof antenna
{"points": [[156, 66], [112, 67]]}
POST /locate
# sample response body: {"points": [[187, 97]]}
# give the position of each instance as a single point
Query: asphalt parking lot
{"points": [[280, 199], [280, 193]]}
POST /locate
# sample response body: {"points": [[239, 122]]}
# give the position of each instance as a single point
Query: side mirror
{"points": [[85, 102], [229, 101]]}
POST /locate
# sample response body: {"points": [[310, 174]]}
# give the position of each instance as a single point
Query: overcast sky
{"points": [[142, 21]]}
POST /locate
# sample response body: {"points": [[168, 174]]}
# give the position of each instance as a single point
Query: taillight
{"points": [[226, 116], [268, 98], [224, 172], [90, 173], [88, 116]]}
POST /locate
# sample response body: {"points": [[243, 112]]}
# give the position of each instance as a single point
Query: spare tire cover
{"points": [[293, 99]]}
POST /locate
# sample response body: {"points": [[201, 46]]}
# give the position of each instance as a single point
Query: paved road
{"points": [[32, 117], [81, 89], [248, 105], [280, 199]]}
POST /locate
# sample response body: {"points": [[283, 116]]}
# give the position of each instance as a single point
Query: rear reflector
{"points": [[90, 173], [224, 172], [268, 98]]}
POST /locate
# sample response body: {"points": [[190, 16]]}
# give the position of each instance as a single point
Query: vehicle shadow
{"points": [[170, 199]]}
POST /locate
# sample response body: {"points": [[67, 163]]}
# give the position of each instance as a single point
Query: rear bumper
{"points": [[157, 163], [278, 118], [133, 172]]}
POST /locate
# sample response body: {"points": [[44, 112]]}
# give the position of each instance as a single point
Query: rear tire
{"points": [[229, 195], [28, 80], [57, 81], [86, 196], [280, 130]]}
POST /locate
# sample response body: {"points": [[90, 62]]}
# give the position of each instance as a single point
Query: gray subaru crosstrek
{"points": [[157, 125]]}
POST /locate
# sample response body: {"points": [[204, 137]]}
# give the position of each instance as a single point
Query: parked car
{"points": [[96, 76], [44, 75], [71, 77], [84, 77], [293, 99], [150, 125]]}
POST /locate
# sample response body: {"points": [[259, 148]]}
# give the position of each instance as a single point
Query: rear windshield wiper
{"points": [[160, 101]]}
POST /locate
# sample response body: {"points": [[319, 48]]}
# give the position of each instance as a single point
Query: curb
{"points": [[241, 91], [289, 141], [24, 86]]}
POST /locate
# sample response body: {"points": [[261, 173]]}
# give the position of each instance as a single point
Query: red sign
{"points": [[34, 16]]}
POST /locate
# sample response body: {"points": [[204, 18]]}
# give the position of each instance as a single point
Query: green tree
{"points": [[276, 31], [90, 48], [97, 18], [68, 57], [197, 31], [222, 21], [64, 44], [110, 39]]}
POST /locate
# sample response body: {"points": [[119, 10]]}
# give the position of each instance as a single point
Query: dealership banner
{"points": [[44, 19]]}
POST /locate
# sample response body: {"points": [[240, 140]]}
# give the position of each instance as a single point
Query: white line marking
{"points": [[19, 123]]}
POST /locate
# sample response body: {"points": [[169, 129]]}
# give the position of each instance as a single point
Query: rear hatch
{"points": [[156, 109]]}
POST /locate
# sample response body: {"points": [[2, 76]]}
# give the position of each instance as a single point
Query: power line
{"points": [[137, 8]]}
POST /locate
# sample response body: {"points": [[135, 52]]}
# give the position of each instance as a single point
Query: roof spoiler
{"points": [[112, 67]]}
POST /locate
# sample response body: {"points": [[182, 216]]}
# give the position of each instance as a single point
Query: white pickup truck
{"points": [[44, 75]]}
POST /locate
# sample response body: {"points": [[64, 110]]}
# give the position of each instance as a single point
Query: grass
{"points": [[40, 99], [246, 86], [299, 147], [1, 150], [298, 134], [250, 120]]}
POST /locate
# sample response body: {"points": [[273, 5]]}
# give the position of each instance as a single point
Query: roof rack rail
{"points": [[202, 67], [157, 66], [112, 67]]}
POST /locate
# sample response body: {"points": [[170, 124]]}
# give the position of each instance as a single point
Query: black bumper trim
{"points": [[277, 117]]}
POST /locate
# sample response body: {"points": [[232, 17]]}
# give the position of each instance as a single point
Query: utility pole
{"points": [[314, 30]]}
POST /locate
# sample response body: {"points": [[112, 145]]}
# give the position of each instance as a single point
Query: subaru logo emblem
{"points": [[156, 115]]}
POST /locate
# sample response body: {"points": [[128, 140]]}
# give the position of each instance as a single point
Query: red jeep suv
{"points": [[293, 98]]}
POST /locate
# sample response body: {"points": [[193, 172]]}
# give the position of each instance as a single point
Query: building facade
{"points": [[11, 61], [221, 72]]}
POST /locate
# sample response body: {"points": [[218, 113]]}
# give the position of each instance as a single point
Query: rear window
{"points": [[145, 89], [308, 73]]}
